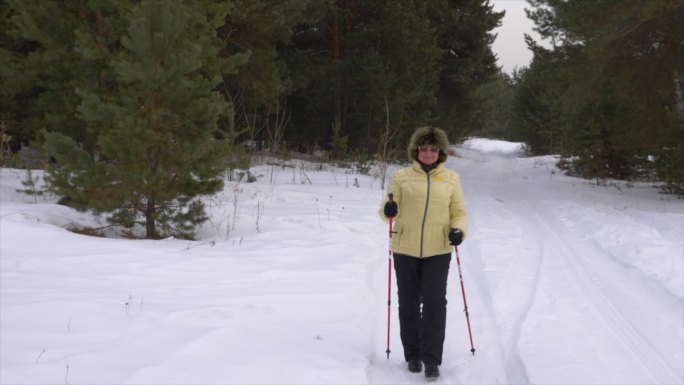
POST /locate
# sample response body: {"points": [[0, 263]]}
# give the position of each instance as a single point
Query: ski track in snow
{"points": [[565, 282]]}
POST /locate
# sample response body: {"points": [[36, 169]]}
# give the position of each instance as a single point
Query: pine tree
{"points": [[158, 146], [464, 31], [392, 71], [367, 65], [11, 89], [537, 117], [45, 60], [622, 106], [259, 90], [494, 117]]}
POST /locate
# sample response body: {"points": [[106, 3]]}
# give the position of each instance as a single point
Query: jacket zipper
{"points": [[422, 227]]}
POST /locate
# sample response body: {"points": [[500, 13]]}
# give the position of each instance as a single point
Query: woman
{"points": [[427, 205]]}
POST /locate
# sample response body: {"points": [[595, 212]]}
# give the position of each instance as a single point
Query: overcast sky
{"points": [[510, 46]]}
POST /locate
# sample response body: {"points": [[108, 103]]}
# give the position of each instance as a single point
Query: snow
{"points": [[567, 283], [492, 146]]}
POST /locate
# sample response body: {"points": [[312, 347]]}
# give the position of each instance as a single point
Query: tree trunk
{"points": [[151, 196], [678, 102], [150, 222], [335, 51]]}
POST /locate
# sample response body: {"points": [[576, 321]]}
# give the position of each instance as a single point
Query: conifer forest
{"points": [[136, 108]]}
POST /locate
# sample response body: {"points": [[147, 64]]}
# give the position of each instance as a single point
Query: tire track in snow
{"points": [[637, 238], [511, 269], [639, 346], [558, 250], [506, 266]]}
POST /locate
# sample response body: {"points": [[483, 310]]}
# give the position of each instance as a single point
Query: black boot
{"points": [[415, 366], [431, 371]]}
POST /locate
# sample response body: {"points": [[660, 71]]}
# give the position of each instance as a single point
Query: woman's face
{"points": [[428, 154]]}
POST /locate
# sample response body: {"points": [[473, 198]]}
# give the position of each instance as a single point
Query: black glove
{"points": [[391, 209], [455, 237]]}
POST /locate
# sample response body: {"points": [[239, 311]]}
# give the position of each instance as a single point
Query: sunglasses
{"points": [[426, 149]]}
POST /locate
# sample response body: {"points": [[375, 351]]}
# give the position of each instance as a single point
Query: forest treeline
{"points": [[141, 105], [604, 91]]}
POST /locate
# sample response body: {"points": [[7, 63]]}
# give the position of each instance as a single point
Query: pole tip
{"points": [[472, 351]]}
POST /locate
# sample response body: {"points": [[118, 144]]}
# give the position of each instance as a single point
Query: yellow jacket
{"points": [[429, 205]]}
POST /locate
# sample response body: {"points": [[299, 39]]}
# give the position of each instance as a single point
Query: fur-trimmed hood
{"points": [[429, 136]]}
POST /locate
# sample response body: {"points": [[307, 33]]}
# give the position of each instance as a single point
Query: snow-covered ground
{"points": [[567, 283]]}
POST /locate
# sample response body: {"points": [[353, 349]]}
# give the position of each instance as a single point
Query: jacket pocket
{"points": [[445, 234], [397, 232]]}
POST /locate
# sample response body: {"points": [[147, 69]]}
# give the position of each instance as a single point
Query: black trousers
{"points": [[422, 281]]}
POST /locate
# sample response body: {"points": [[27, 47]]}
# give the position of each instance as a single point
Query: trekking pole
{"points": [[389, 280], [465, 303]]}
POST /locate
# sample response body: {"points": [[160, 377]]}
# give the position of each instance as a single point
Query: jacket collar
{"points": [[419, 168]]}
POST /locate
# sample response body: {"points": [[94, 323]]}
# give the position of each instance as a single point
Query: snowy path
{"points": [[565, 304], [566, 283]]}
